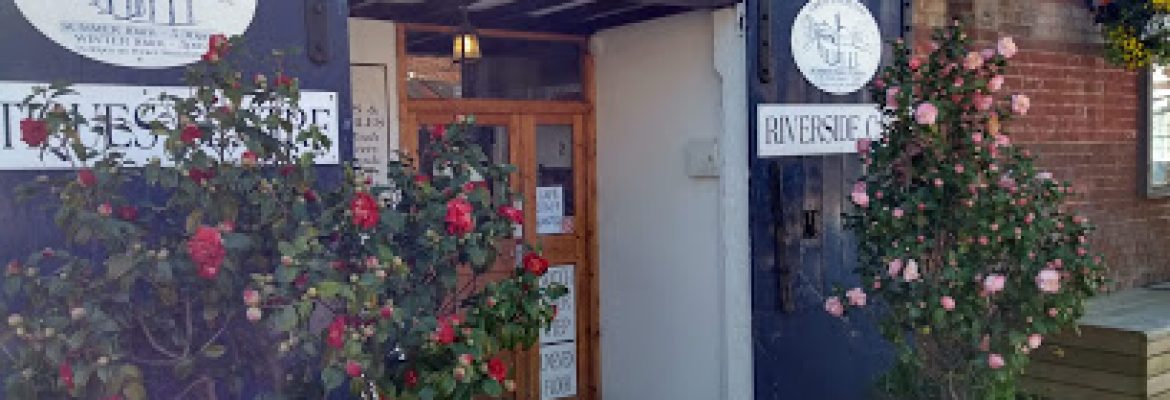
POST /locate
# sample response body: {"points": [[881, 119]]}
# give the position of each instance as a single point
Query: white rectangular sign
{"points": [[550, 210], [371, 121], [558, 370], [558, 343], [564, 327], [815, 129], [119, 119]]}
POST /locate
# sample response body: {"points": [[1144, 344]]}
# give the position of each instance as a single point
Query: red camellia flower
{"points": [[128, 213], [283, 80], [191, 133], [34, 132], [445, 332], [365, 210], [207, 251], [336, 336], [411, 377], [86, 178], [438, 131], [497, 369], [66, 372], [353, 369], [310, 195], [200, 176], [217, 46], [512, 213], [421, 179], [535, 264], [286, 170], [249, 159], [459, 220]]}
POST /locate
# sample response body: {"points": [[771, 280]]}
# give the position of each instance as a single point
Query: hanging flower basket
{"points": [[1137, 32]]}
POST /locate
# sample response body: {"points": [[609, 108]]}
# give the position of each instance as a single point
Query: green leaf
{"points": [[426, 394], [492, 388], [214, 351], [134, 391], [118, 265], [332, 377], [286, 319]]}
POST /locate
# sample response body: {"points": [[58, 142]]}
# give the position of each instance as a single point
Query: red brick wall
{"points": [[1083, 125]]}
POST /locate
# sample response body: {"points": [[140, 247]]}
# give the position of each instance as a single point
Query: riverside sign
{"points": [[119, 117], [815, 129]]}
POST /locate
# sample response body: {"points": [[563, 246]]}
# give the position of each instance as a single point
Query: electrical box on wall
{"points": [[702, 158]]}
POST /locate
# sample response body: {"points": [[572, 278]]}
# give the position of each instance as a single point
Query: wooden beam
{"points": [[501, 33]]}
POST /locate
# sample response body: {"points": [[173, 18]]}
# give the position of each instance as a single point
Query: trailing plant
{"points": [[199, 273], [968, 247], [1136, 32]]}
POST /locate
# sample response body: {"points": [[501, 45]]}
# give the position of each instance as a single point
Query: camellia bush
{"points": [[226, 268], [968, 249]]}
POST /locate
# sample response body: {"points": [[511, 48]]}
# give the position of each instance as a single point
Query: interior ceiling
{"points": [[561, 16]]}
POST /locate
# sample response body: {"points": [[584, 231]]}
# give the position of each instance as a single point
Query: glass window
{"points": [[514, 69], [554, 179], [1158, 156], [492, 140]]}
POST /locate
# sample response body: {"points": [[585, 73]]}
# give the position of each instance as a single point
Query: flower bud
{"points": [[77, 313], [15, 320]]}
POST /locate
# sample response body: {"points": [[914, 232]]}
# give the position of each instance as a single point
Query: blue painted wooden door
{"points": [[28, 56], [800, 251]]}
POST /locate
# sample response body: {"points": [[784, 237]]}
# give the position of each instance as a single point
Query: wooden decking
{"points": [[1123, 351]]}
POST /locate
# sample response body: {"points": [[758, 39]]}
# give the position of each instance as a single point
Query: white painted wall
{"points": [[675, 299], [372, 42]]}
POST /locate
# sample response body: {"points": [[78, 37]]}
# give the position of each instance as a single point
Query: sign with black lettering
{"points": [[371, 123], [119, 119], [138, 33], [558, 343], [815, 129]]}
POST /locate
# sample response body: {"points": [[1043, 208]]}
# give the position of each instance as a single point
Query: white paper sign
{"points": [[564, 327], [558, 370], [836, 45], [109, 108], [371, 121], [138, 33], [815, 129], [550, 210]]}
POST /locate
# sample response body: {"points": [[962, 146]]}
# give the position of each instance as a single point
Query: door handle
{"points": [[812, 224]]}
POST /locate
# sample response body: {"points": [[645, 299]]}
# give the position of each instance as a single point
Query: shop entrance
{"points": [[544, 126]]}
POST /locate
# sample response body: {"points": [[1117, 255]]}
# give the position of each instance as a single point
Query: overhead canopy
{"points": [[561, 16]]}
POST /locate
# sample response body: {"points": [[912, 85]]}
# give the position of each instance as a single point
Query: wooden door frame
{"points": [[523, 116]]}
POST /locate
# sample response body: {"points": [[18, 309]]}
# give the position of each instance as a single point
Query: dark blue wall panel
{"points": [[800, 351]]}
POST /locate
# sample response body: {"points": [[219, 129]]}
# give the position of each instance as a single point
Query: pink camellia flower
{"points": [[1052, 312], [834, 307], [977, 137], [926, 114], [915, 63], [1007, 47], [959, 168], [995, 83], [1021, 104], [353, 369], [987, 54], [863, 146], [105, 209], [898, 213], [859, 195], [879, 84], [983, 102], [947, 302], [1048, 281], [1002, 141], [995, 361], [994, 283], [892, 97], [386, 312], [1028, 219], [251, 297], [895, 267], [973, 60], [1044, 176], [254, 314], [985, 343], [856, 297], [1034, 341], [910, 273]]}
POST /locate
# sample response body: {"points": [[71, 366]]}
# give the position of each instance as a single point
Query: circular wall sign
{"points": [[138, 33], [836, 45]]}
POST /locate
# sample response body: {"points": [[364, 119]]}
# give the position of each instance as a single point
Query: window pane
{"points": [[554, 179], [1160, 129], [514, 69], [492, 140]]}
